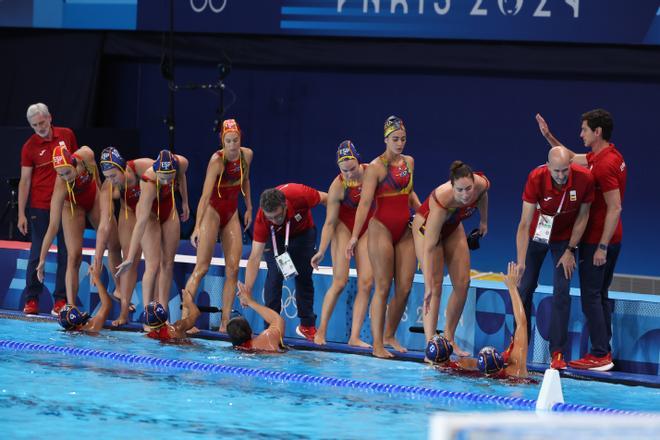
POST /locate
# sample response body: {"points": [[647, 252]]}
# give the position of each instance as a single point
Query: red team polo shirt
{"points": [[299, 200], [540, 191], [610, 172], [37, 153]]}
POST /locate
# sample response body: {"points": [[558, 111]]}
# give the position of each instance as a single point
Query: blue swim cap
{"points": [[347, 151], [155, 314], [166, 162], [439, 349], [71, 317], [110, 158], [490, 361]]}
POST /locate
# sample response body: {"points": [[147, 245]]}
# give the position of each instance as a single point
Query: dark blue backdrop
{"points": [[294, 119]]}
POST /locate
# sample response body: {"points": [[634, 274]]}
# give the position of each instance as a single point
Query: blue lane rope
{"points": [[511, 402]]}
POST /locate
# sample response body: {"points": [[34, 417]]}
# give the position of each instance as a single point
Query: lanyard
{"points": [[561, 203], [286, 238]]}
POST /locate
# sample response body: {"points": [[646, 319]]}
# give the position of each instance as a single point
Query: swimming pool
{"points": [[48, 393]]}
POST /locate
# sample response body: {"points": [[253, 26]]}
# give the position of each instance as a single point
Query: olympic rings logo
{"points": [[289, 302], [211, 4]]}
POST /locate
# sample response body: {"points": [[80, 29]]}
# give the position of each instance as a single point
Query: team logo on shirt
{"points": [[298, 217], [572, 195]]}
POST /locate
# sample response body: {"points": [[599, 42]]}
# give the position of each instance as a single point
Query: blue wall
{"points": [[294, 119]]}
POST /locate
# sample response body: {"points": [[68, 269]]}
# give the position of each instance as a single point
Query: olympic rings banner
{"points": [[577, 21]]}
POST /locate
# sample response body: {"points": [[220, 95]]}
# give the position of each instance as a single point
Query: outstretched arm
{"points": [[331, 219], [96, 323], [518, 358], [432, 236], [183, 187], [142, 213], [247, 190], [273, 318], [580, 159], [369, 184]]}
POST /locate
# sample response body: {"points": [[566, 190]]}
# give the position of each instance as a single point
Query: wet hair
{"points": [[35, 109], [600, 118], [458, 170], [239, 331], [271, 199]]}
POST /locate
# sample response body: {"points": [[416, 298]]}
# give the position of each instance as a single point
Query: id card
{"points": [[286, 265], [543, 228]]}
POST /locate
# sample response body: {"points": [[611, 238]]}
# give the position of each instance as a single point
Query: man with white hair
{"points": [[37, 182], [555, 212]]}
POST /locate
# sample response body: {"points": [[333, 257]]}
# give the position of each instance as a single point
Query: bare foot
{"points": [[357, 342], [382, 353], [392, 342], [119, 321], [192, 331], [458, 351], [146, 328], [117, 297], [319, 339]]}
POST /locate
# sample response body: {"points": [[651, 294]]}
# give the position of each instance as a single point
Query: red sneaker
{"points": [[593, 363], [306, 332], [59, 304], [506, 353], [558, 362], [31, 307]]}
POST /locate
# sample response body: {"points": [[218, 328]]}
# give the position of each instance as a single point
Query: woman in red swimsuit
{"points": [[157, 227], [440, 237], [389, 178], [121, 183], [75, 198], [343, 198], [227, 176]]}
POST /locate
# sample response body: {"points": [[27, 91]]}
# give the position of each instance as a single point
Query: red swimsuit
{"points": [[163, 204], [83, 188], [349, 204], [132, 194], [456, 215], [392, 208], [224, 198]]}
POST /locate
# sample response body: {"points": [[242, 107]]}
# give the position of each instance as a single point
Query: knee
{"points": [[365, 285], [340, 281], [74, 260], [201, 270], [231, 271], [167, 266], [461, 285]]}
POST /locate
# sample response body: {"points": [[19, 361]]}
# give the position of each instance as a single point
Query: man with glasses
{"points": [[284, 233]]}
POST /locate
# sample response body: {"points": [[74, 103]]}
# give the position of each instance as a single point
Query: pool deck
{"points": [[410, 356]]}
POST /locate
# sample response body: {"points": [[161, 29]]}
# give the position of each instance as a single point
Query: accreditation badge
{"points": [[543, 228], [286, 265]]}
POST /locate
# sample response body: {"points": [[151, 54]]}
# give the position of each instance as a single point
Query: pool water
{"points": [[55, 394]]}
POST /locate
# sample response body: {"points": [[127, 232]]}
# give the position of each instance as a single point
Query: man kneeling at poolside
{"points": [[240, 332], [156, 319], [489, 361], [72, 319]]}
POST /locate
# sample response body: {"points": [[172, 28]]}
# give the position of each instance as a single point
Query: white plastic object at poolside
{"points": [[550, 391]]}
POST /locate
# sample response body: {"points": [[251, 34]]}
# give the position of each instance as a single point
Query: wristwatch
{"points": [[602, 247], [573, 249]]}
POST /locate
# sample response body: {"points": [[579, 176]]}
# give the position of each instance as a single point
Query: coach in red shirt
{"points": [[555, 212], [284, 223], [37, 182], [601, 242]]}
